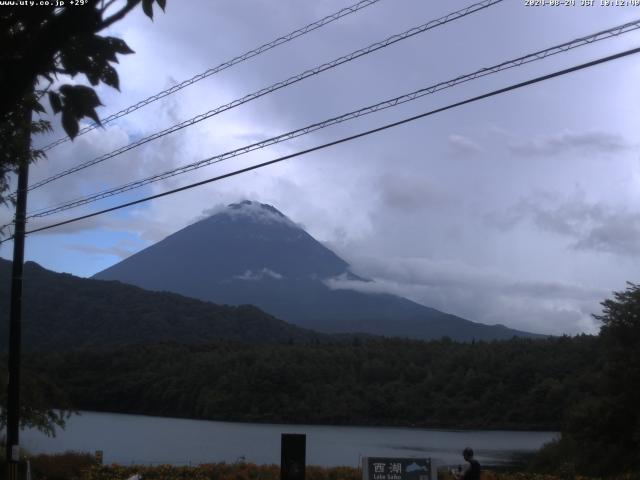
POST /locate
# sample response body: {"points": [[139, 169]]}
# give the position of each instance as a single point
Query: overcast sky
{"points": [[522, 209]]}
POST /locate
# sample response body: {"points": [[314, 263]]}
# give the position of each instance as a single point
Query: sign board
{"points": [[387, 468], [15, 453]]}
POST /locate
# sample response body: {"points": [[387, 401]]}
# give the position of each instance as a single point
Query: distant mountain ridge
{"points": [[61, 312], [251, 253]]}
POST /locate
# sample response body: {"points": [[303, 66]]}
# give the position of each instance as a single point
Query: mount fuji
{"points": [[250, 253]]}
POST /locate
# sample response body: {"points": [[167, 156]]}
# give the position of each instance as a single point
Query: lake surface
{"points": [[128, 439]]}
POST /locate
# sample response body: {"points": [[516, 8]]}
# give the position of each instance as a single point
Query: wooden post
{"points": [[293, 456], [15, 316]]}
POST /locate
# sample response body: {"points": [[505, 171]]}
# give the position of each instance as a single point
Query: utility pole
{"points": [[15, 318]]}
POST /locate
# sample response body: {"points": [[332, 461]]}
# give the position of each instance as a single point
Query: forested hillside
{"points": [[62, 311], [514, 384]]}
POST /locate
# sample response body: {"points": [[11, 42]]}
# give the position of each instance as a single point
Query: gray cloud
{"points": [[413, 192], [591, 226], [409, 193], [121, 250], [147, 230], [617, 233], [478, 294], [570, 142]]}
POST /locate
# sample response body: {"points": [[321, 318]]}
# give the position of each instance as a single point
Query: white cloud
{"points": [[254, 211], [463, 146], [482, 295], [250, 275]]}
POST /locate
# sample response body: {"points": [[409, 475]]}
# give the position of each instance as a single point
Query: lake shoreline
{"points": [[441, 426], [148, 440]]}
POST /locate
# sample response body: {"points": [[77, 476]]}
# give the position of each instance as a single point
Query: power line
{"points": [[538, 55], [223, 66], [276, 86], [346, 139]]}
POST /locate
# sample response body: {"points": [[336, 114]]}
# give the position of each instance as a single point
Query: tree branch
{"points": [[104, 7], [119, 15]]}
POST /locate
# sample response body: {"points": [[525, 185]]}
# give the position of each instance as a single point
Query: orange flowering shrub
{"points": [[250, 471], [216, 471], [62, 466]]}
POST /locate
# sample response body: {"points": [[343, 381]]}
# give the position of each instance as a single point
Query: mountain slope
{"points": [[62, 311], [252, 253]]}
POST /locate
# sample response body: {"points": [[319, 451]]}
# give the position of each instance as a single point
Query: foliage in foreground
{"points": [[37, 393], [41, 45], [222, 471], [83, 466], [601, 431], [63, 466], [217, 471]]}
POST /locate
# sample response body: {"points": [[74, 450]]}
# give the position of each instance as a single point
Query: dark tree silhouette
{"points": [[601, 431], [37, 45]]}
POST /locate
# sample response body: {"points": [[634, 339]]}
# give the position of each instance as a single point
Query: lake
{"points": [[138, 439]]}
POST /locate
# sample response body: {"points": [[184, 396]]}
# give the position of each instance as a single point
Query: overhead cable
{"points": [[345, 139], [276, 86], [223, 66], [532, 57]]}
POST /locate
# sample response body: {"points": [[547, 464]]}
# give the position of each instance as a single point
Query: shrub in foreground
{"points": [[63, 466]]}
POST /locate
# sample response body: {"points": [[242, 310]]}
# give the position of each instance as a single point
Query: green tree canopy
{"points": [[601, 434], [620, 334], [38, 44]]}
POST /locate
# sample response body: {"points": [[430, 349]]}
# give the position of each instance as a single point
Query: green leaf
{"points": [[84, 94], [69, 123], [73, 61], [41, 126], [102, 49], [56, 103], [93, 115], [119, 45], [93, 76], [147, 7], [162, 4], [110, 77], [80, 101], [65, 89], [37, 107]]}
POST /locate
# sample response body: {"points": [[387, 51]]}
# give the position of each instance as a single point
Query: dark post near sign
{"points": [[293, 456]]}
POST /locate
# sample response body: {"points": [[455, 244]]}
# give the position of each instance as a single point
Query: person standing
{"points": [[472, 472]]}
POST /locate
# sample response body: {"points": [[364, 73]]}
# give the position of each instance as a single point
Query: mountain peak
{"points": [[253, 211], [252, 204]]}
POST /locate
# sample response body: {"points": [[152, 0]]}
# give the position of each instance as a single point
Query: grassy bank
{"points": [[83, 466], [221, 471], [249, 471]]}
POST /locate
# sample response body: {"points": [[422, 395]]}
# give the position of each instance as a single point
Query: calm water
{"points": [[127, 439]]}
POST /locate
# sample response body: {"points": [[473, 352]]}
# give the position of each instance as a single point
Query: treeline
{"points": [[586, 386], [507, 384], [601, 427]]}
